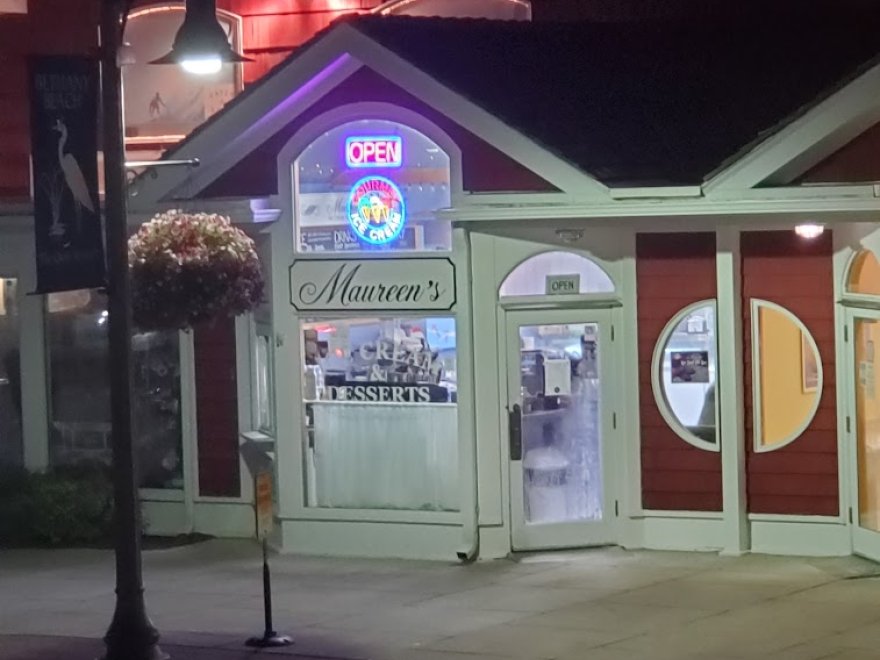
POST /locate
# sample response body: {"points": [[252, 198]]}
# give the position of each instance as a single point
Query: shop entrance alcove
{"points": [[560, 371]]}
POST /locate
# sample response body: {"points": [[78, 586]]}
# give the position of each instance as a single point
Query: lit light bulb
{"points": [[202, 66], [809, 230]]}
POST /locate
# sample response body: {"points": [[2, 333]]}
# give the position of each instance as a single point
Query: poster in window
{"points": [[809, 366], [689, 366]]}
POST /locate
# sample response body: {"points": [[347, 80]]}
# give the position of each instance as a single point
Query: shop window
{"points": [[684, 375], [786, 376], [80, 428], [533, 277], [10, 376], [264, 405], [372, 186], [381, 413], [864, 274], [165, 103]]}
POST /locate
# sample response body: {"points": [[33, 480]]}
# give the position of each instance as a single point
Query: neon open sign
{"points": [[380, 151]]}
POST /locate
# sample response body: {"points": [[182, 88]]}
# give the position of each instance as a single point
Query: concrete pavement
{"points": [[602, 604]]}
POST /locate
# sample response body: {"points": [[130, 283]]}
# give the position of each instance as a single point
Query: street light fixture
{"points": [[131, 635], [201, 45]]}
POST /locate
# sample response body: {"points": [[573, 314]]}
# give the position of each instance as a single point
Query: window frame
{"points": [[314, 512], [531, 297], [660, 399], [755, 305], [851, 298]]}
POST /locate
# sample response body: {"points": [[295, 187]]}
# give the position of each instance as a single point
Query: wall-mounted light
{"points": [[201, 45], [809, 230]]}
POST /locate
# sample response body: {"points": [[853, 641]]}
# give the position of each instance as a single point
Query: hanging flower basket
{"points": [[189, 268]]}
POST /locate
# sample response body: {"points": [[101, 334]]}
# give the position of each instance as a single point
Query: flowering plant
{"points": [[187, 268]]}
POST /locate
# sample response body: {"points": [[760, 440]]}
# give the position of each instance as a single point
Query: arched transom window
{"points": [[549, 272], [372, 185]]}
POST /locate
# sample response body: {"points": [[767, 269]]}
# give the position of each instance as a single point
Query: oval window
{"points": [[786, 376], [685, 368]]}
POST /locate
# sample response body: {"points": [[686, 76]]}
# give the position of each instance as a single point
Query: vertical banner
{"points": [[64, 147]]}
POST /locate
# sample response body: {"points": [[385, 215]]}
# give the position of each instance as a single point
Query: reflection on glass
{"points": [[10, 376], [789, 376], [688, 371], [156, 409], [867, 332], [264, 412], [561, 425], [76, 331], [381, 415], [864, 274]]}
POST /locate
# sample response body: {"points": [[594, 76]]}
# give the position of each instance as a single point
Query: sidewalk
{"points": [[604, 604]]}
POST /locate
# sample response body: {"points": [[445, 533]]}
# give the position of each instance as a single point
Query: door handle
{"points": [[514, 430]]}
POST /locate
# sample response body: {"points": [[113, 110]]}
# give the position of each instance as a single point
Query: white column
{"points": [[730, 399]]}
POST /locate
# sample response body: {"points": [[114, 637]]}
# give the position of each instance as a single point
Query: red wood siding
{"points": [[484, 168], [672, 271], [217, 410], [856, 162], [801, 478], [51, 27]]}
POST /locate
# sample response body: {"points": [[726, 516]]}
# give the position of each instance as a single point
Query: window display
{"points": [[372, 185], [381, 416], [687, 368]]}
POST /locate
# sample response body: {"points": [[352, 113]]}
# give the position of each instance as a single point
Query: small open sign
{"points": [[381, 151]]}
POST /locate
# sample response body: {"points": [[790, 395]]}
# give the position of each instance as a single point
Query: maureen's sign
{"points": [[372, 284], [370, 151]]}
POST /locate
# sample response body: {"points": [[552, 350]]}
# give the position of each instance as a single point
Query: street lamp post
{"points": [[131, 635]]}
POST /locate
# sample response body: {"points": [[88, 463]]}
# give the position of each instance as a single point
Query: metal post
{"points": [[131, 635]]}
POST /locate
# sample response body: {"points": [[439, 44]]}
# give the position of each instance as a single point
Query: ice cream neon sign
{"points": [[380, 151], [376, 210]]}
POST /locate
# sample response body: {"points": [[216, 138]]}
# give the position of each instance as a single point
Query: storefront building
{"points": [[604, 297]]}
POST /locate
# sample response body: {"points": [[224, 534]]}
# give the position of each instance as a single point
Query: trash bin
{"points": [[545, 471]]}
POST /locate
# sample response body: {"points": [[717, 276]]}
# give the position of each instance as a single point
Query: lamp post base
{"points": [[269, 640]]}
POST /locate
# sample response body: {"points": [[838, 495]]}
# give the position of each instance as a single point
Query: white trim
{"points": [[730, 392], [804, 142], [380, 540], [740, 210], [393, 7], [653, 192], [674, 532], [783, 518], [657, 378], [161, 495], [797, 538], [757, 447], [696, 515]]}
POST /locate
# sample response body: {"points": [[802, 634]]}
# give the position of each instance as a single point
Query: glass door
{"points": [[559, 411], [864, 328]]}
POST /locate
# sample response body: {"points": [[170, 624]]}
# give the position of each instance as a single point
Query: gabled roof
{"points": [[648, 103]]}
